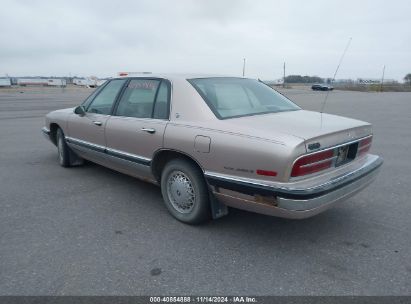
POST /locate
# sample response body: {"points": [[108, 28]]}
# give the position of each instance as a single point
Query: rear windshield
{"points": [[235, 97]]}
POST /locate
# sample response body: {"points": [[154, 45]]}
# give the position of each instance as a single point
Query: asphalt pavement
{"points": [[92, 231]]}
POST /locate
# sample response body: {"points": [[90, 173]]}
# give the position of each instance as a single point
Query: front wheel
{"points": [[63, 149], [185, 192]]}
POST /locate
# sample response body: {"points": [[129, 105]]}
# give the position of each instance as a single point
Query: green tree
{"points": [[407, 78]]}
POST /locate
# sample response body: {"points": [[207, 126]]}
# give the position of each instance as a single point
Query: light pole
{"points": [[243, 67], [382, 78]]}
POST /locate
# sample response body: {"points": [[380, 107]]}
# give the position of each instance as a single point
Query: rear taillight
{"points": [[313, 163], [330, 158], [364, 146]]}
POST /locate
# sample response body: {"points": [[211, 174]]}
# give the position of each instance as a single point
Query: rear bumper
{"points": [[292, 201]]}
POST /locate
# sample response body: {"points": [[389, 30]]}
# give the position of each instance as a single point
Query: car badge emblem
{"points": [[314, 146]]}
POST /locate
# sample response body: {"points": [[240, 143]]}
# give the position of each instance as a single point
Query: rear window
{"points": [[235, 97]]}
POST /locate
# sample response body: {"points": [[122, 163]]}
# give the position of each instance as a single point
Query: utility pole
{"points": [[382, 78], [243, 67], [284, 75]]}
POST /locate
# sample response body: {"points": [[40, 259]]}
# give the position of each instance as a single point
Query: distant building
{"points": [[31, 82], [5, 82], [374, 81], [90, 82], [80, 81], [101, 82], [57, 82], [279, 81], [37, 81]]}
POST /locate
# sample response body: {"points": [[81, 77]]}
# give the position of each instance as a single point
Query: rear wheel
{"points": [[185, 192]]}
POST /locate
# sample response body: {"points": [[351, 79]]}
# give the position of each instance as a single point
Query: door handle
{"points": [[149, 130], [97, 123]]}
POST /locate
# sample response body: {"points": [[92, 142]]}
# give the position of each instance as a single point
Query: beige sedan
{"points": [[212, 142]]}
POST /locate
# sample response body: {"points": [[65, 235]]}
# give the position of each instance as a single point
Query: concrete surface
{"points": [[92, 231]]}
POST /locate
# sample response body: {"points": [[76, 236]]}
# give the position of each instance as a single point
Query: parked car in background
{"points": [[212, 142], [321, 87]]}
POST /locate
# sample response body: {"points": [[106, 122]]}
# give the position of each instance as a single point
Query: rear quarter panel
{"points": [[233, 153]]}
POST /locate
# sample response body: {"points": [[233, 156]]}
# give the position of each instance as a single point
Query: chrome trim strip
{"points": [[128, 156], [112, 152], [45, 131], [230, 178], [46, 134], [86, 144], [319, 162]]}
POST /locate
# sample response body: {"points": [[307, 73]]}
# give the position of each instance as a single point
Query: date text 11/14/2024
{"points": [[203, 299]]}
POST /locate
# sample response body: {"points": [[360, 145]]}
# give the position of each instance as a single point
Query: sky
{"points": [[84, 38]]}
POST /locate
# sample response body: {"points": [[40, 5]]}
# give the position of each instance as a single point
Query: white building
{"points": [[5, 82], [53, 82], [31, 82], [57, 82], [374, 81]]}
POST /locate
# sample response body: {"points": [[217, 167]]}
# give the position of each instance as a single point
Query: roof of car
{"points": [[170, 75]]}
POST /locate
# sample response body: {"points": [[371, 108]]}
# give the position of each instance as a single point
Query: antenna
{"points": [[336, 71]]}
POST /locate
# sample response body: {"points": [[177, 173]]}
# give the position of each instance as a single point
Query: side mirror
{"points": [[80, 111]]}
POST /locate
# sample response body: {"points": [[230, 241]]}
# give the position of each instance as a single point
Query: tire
{"points": [[185, 192], [62, 149]]}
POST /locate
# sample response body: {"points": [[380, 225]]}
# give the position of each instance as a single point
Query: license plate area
{"points": [[345, 154]]}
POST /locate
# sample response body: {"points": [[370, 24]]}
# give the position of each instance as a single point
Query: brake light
{"points": [[313, 163], [364, 146]]}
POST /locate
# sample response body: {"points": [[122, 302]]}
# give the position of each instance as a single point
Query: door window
{"points": [[103, 103], [144, 98], [89, 99], [161, 104]]}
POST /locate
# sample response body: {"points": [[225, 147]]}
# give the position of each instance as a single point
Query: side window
{"points": [[161, 104], [138, 98], [89, 99], [104, 101]]}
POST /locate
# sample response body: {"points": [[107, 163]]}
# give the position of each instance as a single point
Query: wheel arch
{"points": [[163, 156], [53, 132]]}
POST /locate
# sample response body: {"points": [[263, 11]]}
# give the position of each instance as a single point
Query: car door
{"points": [[136, 129], [86, 132]]}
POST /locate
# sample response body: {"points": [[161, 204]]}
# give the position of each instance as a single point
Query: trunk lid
{"points": [[313, 127]]}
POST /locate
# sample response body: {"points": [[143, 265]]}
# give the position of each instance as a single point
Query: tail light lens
{"points": [[325, 159], [313, 163], [364, 146]]}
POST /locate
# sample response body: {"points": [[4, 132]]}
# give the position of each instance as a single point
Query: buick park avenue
{"points": [[210, 142]]}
